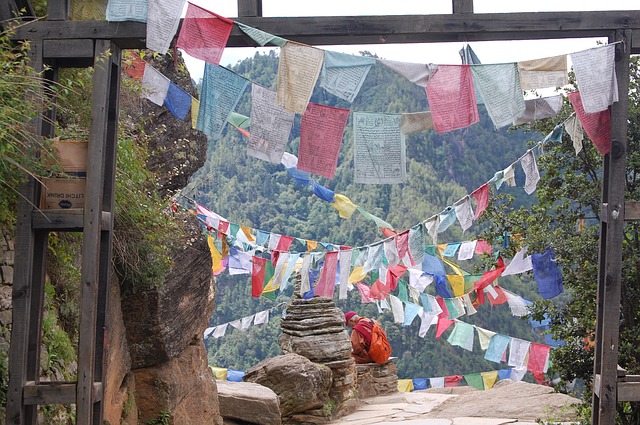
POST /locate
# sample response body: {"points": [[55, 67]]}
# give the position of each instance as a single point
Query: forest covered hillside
{"points": [[441, 169]]}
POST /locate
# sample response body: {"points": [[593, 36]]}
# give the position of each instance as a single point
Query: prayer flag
{"points": [[443, 322], [540, 108], [596, 76], [365, 296], [405, 385], [452, 98], [417, 73], [155, 85], [327, 281], [379, 149], [416, 243], [597, 125], [518, 352], [345, 207], [427, 320], [257, 275], [195, 107], [163, 18], [343, 74], [134, 66], [321, 130], [538, 357], [415, 122], [462, 336], [436, 382], [127, 10], [530, 168], [397, 309], [499, 86], [447, 218], [178, 101], [204, 34], [474, 380], [519, 264], [489, 379], [542, 73], [575, 130], [484, 337], [220, 93], [482, 199], [298, 71], [270, 125], [547, 274], [482, 247], [261, 37], [411, 310], [497, 347], [466, 250], [452, 381], [464, 212]]}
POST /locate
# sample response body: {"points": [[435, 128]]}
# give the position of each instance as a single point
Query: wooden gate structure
{"points": [[59, 42]]}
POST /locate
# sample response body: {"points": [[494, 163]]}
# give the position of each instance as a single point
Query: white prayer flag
{"points": [[246, 322], [464, 212], [499, 86], [397, 309], [510, 175], [530, 168], [466, 250], [518, 352], [298, 71], [519, 264], [419, 280], [270, 126], [155, 85], [596, 76], [540, 108], [576, 132], [427, 320], [220, 330], [431, 225], [391, 252], [417, 73], [542, 73], [345, 270], [261, 317], [484, 336], [517, 304], [163, 18], [236, 324]]}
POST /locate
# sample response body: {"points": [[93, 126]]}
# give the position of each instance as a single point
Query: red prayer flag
{"points": [[402, 244], [538, 354], [393, 274], [482, 246], [482, 199], [452, 98], [257, 275], [452, 381], [321, 132], [500, 299], [135, 68], [327, 281], [365, 295], [443, 322], [204, 34], [223, 227], [284, 243], [490, 276], [597, 125]]}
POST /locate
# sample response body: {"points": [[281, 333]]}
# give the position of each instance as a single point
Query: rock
{"points": [[248, 402], [300, 384], [318, 348], [162, 321], [510, 399], [376, 379], [183, 386]]}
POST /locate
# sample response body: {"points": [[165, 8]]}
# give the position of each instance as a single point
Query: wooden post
{"points": [[611, 237], [252, 8], [58, 10], [96, 246]]}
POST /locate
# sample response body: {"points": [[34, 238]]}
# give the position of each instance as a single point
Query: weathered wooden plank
{"points": [[462, 6], [628, 391], [71, 220], [75, 48], [329, 30], [632, 210], [58, 10], [249, 8], [612, 233], [44, 393]]}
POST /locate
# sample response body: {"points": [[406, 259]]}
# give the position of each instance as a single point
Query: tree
{"points": [[567, 218]]}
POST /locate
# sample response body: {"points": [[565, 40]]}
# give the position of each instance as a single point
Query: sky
{"points": [[440, 53]]}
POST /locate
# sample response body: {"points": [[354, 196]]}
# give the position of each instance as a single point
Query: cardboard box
{"points": [[72, 156], [62, 193]]}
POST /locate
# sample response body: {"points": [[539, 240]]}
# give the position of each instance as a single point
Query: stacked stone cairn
{"points": [[314, 329]]}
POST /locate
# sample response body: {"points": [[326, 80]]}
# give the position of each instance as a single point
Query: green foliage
{"points": [[163, 419]]}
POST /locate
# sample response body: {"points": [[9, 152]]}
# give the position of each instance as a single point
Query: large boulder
{"points": [[300, 384], [162, 321], [248, 402], [184, 386]]}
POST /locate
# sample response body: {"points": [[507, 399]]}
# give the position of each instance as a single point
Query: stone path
{"points": [[507, 403]]}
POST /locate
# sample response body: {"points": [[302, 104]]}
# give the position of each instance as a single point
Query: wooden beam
{"points": [[44, 393], [251, 8], [462, 6], [349, 30], [610, 254], [75, 48]]}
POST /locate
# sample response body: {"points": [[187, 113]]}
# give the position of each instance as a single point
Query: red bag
{"points": [[380, 349]]}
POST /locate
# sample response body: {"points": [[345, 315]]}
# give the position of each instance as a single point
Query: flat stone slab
{"points": [[483, 421], [248, 402], [419, 422]]}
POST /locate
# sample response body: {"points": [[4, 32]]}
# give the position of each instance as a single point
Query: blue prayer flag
{"points": [[178, 101]]}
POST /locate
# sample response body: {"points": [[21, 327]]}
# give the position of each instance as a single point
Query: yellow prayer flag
{"points": [[311, 245], [405, 385], [270, 287], [219, 372], [247, 232], [195, 108], [457, 284], [489, 378], [357, 274], [441, 247], [345, 207], [216, 257]]}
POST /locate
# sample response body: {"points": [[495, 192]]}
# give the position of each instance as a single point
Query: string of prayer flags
{"points": [[499, 86], [417, 73], [204, 34], [596, 125], [163, 18], [342, 74], [261, 37], [530, 168], [220, 93], [321, 130], [298, 71], [540, 108], [416, 122], [546, 274], [452, 98], [155, 85], [596, 76], [379, 149], [543, 73], [573, 127], [178, 101], [127, 10]]}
